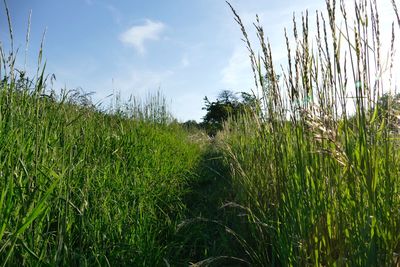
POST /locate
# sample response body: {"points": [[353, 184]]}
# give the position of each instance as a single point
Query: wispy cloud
{"points": [[136, 36], [237, 73], [115, 13], [185, 61]]}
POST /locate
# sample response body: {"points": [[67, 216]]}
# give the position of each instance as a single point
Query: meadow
{"points": [[302, 179]]}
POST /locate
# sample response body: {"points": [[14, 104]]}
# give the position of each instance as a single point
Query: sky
{"points": [[185, 49]]}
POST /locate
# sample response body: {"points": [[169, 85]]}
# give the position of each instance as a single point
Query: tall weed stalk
{"points": [[318, 170]]}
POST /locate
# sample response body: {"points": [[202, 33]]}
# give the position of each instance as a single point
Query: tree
{"points": [[226, 105], [191, 124], [388, 107]]}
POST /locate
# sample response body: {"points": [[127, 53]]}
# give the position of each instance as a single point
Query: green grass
{"points": [[81, 187], [299, 181], [320, 185]]}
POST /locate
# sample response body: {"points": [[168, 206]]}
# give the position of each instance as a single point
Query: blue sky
{"points": [[188, 49]]}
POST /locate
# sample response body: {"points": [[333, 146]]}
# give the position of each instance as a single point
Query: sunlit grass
{"points": [[80, 187], [320, 185], [303, 179]]}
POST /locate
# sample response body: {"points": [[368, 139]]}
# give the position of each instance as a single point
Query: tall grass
{"points": [[80, 187], [317, 173], [153, 108]]}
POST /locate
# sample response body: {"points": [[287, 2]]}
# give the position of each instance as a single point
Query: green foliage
{"points": [[311, 184], [227, 105], [191, 125], [388, 108], [81, 187], [319, 186]]}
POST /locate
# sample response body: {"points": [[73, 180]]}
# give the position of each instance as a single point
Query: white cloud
{"points": [[136, 36], [185, 61], [237, 75]]}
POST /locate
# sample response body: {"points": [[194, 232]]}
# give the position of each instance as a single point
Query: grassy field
{"points": [[319, 184], [298, 181], [80, 187]]}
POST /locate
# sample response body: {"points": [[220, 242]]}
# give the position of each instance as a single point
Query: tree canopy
{"points": [[389, 108], [227, 104]]}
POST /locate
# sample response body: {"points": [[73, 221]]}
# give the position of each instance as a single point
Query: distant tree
{"points": [[389, 109], [227, 97], [226, 105], [249, 101], [191, 124], [389, 99]]}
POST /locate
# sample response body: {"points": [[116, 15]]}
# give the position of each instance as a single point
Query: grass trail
{"points": [[202, 238]]}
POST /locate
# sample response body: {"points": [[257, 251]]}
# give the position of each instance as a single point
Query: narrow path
{"points": [[202, 235]]}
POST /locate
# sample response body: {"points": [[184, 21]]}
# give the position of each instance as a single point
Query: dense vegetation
{"points": [[319, 184], [227, 105], [80, 187], [293, 178]]}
